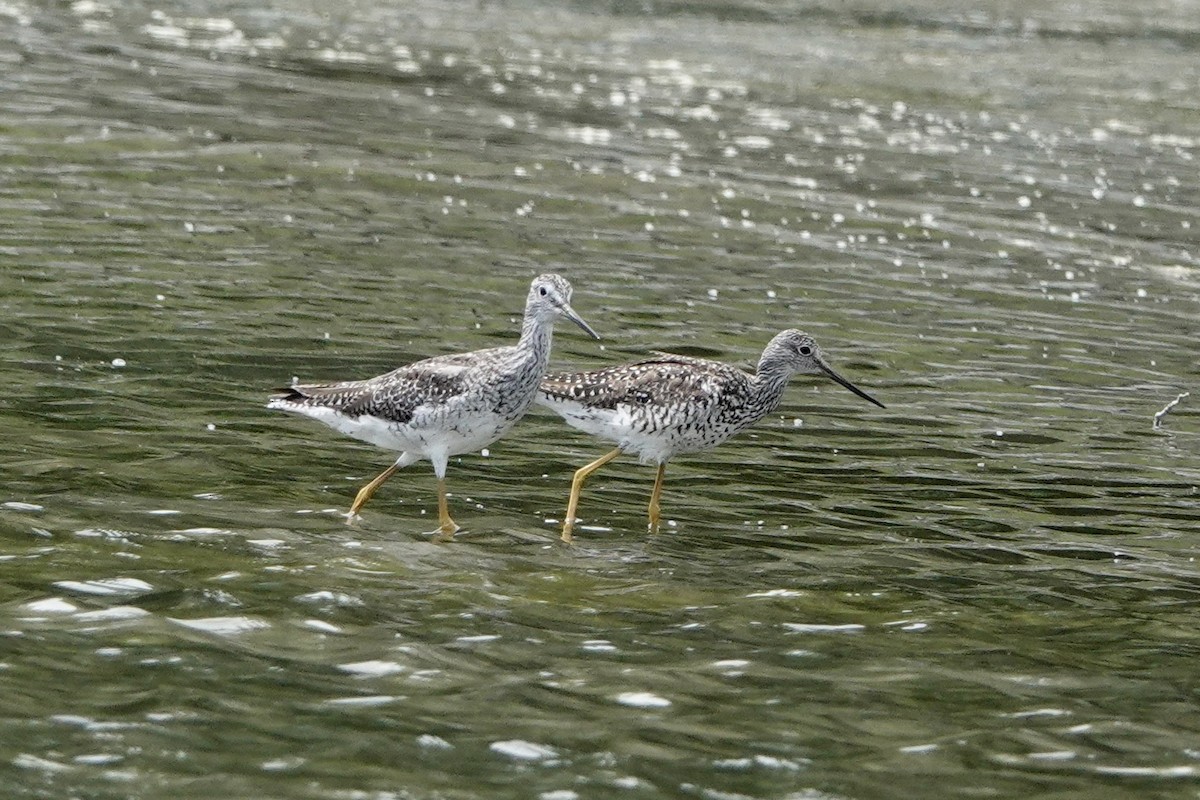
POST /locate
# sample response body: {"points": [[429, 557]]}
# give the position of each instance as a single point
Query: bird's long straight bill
{"points": [[578, 320], [829, 371]]}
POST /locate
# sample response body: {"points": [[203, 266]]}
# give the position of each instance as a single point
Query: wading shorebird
{"points": [[667, 405], [442, 406]]}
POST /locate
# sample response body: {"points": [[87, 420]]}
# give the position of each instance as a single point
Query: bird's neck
{"points": [[768, 384], [535, 340]]}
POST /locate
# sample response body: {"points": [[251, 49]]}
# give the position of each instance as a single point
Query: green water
{"points": [[987, 218]]}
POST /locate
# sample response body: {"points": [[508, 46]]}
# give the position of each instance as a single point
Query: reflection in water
{"points": [[990, 584]]}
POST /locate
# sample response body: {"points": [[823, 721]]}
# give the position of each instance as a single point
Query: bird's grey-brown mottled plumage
{"points": [[484, 379], [446, 405], [660, 407], [687, 403]]}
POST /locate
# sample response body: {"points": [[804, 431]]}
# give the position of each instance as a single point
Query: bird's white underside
{"points": [[621, 425], [434, 442]]}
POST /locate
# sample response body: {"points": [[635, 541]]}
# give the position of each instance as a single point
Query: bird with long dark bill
{"points": [[664, 406]]}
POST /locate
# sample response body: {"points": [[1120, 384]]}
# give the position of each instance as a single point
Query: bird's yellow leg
{"points": [[364, 494], [449, 527], [577, 484], [655, 508]]}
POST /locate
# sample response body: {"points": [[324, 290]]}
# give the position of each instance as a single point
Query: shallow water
{"points": [[987, 218]]}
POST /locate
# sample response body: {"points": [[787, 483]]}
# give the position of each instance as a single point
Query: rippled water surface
{"points": [[987, 217]]}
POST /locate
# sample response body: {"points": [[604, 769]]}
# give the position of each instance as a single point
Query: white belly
{"points": [[618, 425], [652, 439], [422, 437]]}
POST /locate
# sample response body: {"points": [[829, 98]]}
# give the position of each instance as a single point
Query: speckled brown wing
{"points": [[665, 381], [394, 396]]}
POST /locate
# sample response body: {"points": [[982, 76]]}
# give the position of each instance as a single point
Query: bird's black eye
{"points": [[805, 350], [542, 291]]}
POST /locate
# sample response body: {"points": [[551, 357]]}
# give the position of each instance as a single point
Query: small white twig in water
{"points": [[1159, 416]]}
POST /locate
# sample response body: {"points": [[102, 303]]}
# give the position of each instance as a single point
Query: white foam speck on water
{"points": [[372, 669], [16, 505], [267, 544], [753, 142], [164, 512], [98, 759], [431, 742], [1180, 771], [486, 637], [114, 614], [521, 750], [761, 761], [223, 626], [105, 533], [322, 626], [362, 702], [77, 720], [30, 761], [642, 700], [805, 627], [51, 605], [598, 646], [106, 586], [324, 596], [777, 593], [204, 532], [118, 362], [1039, 712]]}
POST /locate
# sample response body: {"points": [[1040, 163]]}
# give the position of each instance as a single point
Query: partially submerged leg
{"points": [[577, 484], [365, 493], [655, 508], [448, 527]]}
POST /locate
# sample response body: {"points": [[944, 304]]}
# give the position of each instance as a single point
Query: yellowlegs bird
{"points": [[664, 406], [442, 406]]}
